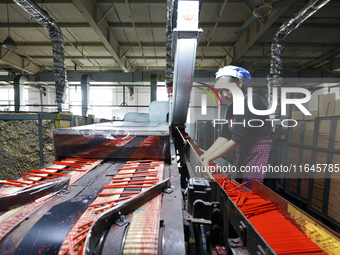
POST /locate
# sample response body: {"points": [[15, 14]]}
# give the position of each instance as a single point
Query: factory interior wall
{"points": [[19, 141], [6, 98], [105, 101]]}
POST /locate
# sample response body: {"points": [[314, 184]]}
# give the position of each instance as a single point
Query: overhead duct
{"points": [[186, 37], [275, 76], [169, 71], [42, 17]]}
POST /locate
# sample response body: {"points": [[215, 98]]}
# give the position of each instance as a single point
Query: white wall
{"points": [[114, 96], [6, 98], [312, 105], [99, 95]]}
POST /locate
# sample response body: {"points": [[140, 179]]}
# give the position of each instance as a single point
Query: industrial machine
{"points": [[112, 181], [134, 188], [128, 188]]}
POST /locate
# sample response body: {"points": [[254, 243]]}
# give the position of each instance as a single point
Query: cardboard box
{"points": [[65, 124], [326, 105], [309, 133], [337, 132], [337, 108], [311, 117], [297, 115], [295, 138], [324, 126], [90, 119]]}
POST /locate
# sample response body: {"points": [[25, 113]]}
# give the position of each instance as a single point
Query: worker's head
{"points": [[231, 76]]}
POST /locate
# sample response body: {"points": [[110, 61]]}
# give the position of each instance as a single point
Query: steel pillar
{"points": [[186, 37], [19, 81], [85, 93], [153, 89]]}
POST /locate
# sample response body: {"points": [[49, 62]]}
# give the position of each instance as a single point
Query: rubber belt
{"points": [[50, 231], [48, 234]]}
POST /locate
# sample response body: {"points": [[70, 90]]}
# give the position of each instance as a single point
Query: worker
{"points": [[253, 143]]}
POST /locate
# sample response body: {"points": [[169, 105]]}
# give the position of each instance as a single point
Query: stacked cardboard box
{"points": [[311, 117], [297, 115], [309, 132], [334, 200], [64, 123], [319, 182], [306, 156], [337, 136], [295, 138], [334, 190], [294, 160], [327, 107], [306, 159]]}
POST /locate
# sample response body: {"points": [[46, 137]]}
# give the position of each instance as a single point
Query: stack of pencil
{"points": [[281, 235]]}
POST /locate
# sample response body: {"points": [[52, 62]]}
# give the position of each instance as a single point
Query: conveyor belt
{"points": [[263, 221], [59, 225], [132, 178], [125, 152], [143, 233], [49, 232], [11, 219]]}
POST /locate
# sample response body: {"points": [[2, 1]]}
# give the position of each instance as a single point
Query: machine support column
{"points": [[153, 83], [85, 93], [185, 38], [19, 81]]}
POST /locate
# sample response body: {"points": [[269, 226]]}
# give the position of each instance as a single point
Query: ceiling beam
{"points": [[301, 45], [332, 3], [73, 57], [287, 58], [305, 25], [120, 25], [162, 24], [201, 44], [7, 57], [164, 2], [91, 11], [110, 57], [237, 2], [162, 44], [251, 35], [37, 25], [197, 57], [40, 2], [232, 43], [162, 67], [67, 44], [109, 68], [120, 1], [321, 60], [97, 1]]}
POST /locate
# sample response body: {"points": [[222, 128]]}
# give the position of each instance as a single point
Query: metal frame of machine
{"points": [[60, 214], [118, 167], [227, 227]]}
